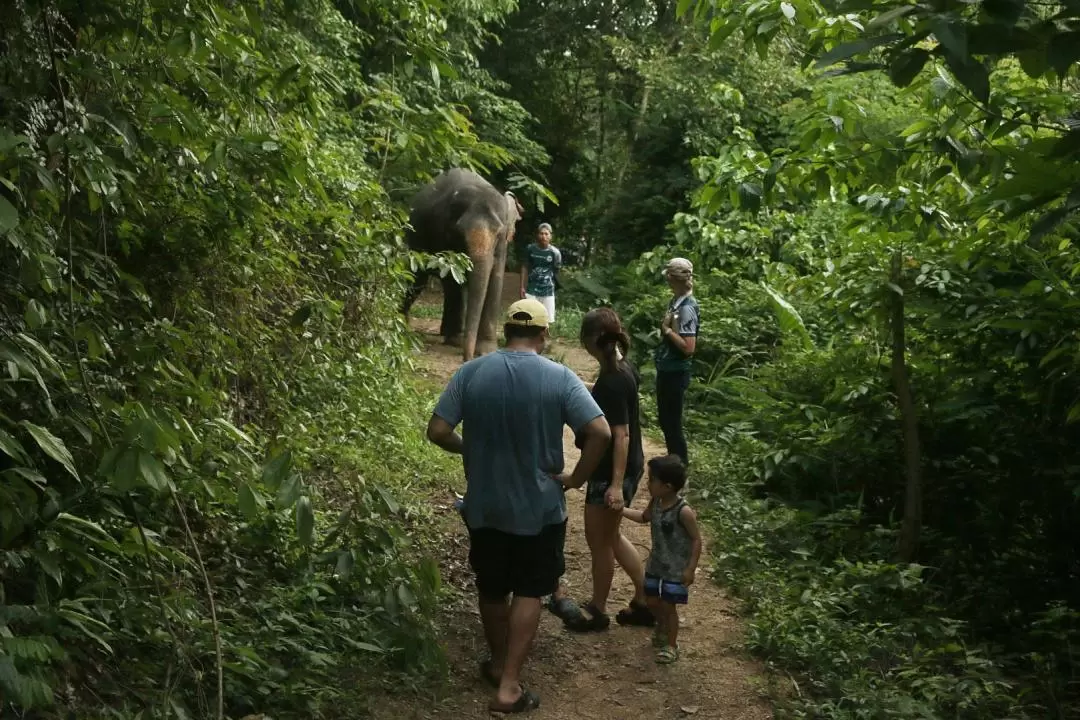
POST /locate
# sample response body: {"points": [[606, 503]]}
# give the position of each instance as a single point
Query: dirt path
{"points": [[597, 676]]}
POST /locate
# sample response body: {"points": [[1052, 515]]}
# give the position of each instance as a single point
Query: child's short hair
{"points": [[669, 469]]}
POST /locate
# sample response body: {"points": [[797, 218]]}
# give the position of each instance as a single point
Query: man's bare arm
{"points": [[442, 434], [597, 436]]}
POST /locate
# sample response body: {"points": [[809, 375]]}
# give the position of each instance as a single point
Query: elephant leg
{"points": [[453, 309], [420, 281], [482, 243], [493, 308]]}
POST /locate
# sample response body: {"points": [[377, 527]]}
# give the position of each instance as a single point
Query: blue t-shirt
{"points": [[543, 262], [512, 406], [687, 324]]}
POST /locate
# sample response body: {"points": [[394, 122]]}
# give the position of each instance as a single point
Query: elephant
{"points": [[462, 212]]}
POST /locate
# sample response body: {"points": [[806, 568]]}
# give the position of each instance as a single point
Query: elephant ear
{"points": [[514, 207]]}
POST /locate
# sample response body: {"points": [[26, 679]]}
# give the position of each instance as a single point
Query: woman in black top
{"points": [[615, 481]]}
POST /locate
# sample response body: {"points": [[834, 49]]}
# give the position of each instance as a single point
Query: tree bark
{"points": [[911, 527]]}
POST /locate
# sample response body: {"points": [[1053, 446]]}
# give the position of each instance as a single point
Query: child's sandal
{"points": [[667, 656]]}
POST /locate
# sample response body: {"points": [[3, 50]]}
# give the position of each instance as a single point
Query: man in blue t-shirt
{"points": [[512, 405]]}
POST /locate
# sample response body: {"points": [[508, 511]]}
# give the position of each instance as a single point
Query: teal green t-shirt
{"points": [[512, 407], [668, 357], [543, 262]]}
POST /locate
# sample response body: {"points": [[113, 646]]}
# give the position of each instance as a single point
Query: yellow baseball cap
{"points": [[527, 313]]}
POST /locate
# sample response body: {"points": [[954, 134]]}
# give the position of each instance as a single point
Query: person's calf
{"points": [[524, 620], [495, 617]]}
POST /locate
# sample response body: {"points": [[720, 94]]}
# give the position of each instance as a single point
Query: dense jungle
{"points": [[216, 496]]}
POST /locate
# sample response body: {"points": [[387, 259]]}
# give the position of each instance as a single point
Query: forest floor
{"points": [[596, 676]]}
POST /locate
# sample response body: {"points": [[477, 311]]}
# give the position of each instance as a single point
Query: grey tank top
{"points": [[671, 543]]}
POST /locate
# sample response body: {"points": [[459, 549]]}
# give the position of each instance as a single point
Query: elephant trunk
{"points": [[479, 278]]}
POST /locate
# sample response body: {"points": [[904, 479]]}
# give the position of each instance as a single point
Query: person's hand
{"points": [[688, 576], [666, 324], [613, 498], [521, 293], [563, 479]]}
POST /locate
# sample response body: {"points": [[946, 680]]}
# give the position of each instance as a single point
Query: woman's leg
{"points": [[629, 560], [601, 529]]}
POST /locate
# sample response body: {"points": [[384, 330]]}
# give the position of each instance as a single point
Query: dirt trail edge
{"points": [[596, 676]]}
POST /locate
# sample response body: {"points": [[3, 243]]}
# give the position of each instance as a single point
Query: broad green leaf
{"points": [[391, 504], [305, 520], [973, 75], [790, 321], [359, 645], [1063, 51], [275, 471], [52, 446], [9, 216], [889, 16], [288, 492], [35, 316], [788, 9], [238, 434], [13, 448], [125, 474], [847, 50], [952, 36], [152, 471], [249, 506], [346, 559], [907, 65]]}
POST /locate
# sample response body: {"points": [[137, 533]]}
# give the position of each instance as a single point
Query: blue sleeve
{"points": [[688, 320], [449, 407], [579, 408]]}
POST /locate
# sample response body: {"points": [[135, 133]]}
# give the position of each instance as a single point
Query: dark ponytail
{"points": [[604, 327]]}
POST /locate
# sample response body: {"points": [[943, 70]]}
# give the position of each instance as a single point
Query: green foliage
{"points": [[210, 452], [869, 193]]}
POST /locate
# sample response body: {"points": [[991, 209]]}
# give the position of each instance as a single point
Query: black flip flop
{"points": [[595, 622], [487, 671], [639, 615], [564, 608], [526, 702]]}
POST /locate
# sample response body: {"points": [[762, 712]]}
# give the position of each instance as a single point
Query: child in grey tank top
{"points": [[676, 548]]}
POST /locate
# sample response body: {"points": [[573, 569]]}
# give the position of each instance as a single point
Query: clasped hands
{"points": [[612, 497]]}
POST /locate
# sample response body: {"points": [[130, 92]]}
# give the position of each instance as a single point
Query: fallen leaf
{"points": [[689, 709]]}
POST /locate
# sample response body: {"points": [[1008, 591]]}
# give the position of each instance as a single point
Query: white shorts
{"points": [[548, 301]]}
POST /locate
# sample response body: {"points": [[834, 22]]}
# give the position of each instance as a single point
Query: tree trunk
{"points": [[911, 526]]}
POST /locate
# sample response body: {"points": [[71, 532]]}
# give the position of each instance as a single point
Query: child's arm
{"points": [[689, 521], [638, 516]]}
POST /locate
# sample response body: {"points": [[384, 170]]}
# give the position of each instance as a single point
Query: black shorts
{"points": [[524, 565]]}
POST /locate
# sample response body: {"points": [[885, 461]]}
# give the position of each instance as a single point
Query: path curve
{"points": [[597, 676]]}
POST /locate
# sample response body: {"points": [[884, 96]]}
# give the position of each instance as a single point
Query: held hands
{"points": [[613, 498]]}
